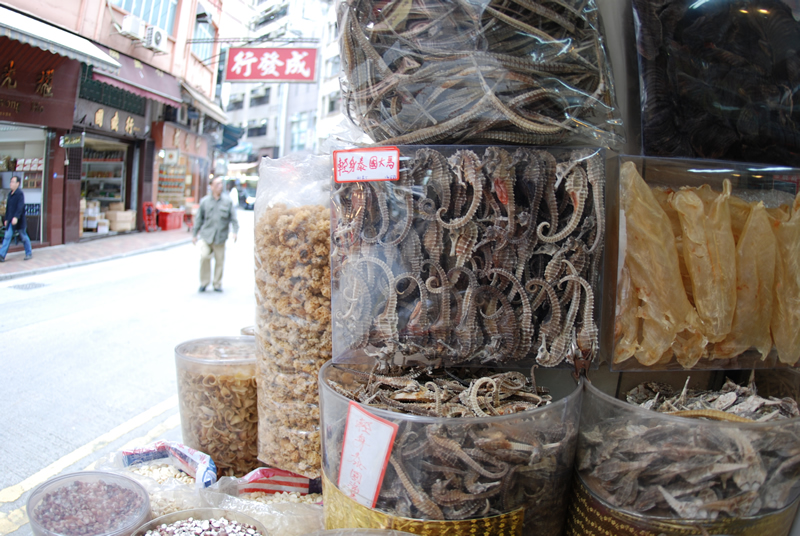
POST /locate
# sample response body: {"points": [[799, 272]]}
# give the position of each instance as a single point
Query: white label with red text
{"points": [[366, 164], [366, 449]]}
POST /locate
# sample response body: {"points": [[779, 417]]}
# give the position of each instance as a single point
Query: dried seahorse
{"points": [[587, 337], [577, 190], [525, 326], [467, 166]]}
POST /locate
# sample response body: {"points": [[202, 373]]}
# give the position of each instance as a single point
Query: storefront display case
{"points": [[103, 174], [22, 155], [703, 274]]}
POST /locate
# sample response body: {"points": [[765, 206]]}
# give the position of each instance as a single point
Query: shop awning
{"points": [[142, 79], [230, 137], [205, 105], [53, 39]]}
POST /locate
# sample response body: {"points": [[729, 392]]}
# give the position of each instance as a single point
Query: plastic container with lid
{"points": [[248, 331], [116, 505], [217, 393], [201, 514]]}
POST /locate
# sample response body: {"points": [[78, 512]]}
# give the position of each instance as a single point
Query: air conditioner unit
{"points": [[133, 27], [237, 97], [258, 93], [156, 39]]}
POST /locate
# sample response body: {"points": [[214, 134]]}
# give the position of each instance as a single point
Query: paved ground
{"points": [[76, 254], [87, 362]]}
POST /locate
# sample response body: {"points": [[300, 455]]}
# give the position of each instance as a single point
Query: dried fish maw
{"points": [[652, 259], [786, 305], [626, 324], [780, 213], [740, 211], [709, 251], [755, 279], [689, 347], [663, 196]]}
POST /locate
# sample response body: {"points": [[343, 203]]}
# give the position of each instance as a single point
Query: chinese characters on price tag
{"points": [[365, 454], [370, 164]]}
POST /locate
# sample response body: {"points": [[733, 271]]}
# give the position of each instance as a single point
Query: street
{"points": [[87, 358]]}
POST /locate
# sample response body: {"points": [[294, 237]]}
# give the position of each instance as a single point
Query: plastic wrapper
{"points": [[284, 518], [718, 79], [666, 473], [474, 255], [217, 392], [293, 307], [167, 495], [698, 269], [524, 72], [502, 474]]}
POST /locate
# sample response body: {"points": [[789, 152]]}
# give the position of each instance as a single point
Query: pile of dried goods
{"points": [[205, 527]]}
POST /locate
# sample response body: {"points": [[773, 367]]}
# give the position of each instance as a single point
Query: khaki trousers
{"points": [[206, 252]]}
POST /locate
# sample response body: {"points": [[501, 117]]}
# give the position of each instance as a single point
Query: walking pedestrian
{"points": [[14, 220], [211, 224]]}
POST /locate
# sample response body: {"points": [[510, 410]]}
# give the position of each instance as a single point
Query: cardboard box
{"points": [[102, 226], [92, 211], [83, 204], [95, 204], [115, 206], [90, 222], [120, 215], [120, 226]]}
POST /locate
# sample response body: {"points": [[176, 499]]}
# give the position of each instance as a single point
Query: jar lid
{"points": [[218, 350]]}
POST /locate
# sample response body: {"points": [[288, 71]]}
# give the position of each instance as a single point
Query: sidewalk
{"points": [[100, 249]]}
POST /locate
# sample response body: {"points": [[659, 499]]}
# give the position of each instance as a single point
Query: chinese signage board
{"points": [[271, 65], [111, 120], [70, 141], [36, 86]]}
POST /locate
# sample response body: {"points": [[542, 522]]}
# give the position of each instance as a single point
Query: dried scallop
{"points": [[755, 277]]}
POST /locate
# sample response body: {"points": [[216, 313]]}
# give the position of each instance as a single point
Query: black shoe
{"points": [[2, 259], [217, 289], [27, 257], [203, 288]]}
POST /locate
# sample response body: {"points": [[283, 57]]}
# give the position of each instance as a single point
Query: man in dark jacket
{"points": [[14, 220]]}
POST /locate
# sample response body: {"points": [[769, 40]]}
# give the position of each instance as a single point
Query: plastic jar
{"points": [[110, 504], [534, 489], [218, 401], [726, 477]]}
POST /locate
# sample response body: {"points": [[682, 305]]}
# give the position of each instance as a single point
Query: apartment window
{"points": [[334, 102], [260, 96], [159, 13], [333, 32], [257, 128], [332, 67], [270, 16], [236, 103], [203, 29], [298, 129]]}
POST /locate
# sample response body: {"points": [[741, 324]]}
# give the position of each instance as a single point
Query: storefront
{"points": [[40, 67], [182, 165]]}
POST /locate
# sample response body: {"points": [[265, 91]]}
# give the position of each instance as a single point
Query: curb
{"points": [[43, 270]]}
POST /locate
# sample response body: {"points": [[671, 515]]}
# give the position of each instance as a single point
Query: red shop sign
{"points": [[271, 65]]}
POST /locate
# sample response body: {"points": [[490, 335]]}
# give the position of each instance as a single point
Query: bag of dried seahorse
{"points": [[677, 458], [464, 255], [293, 308], [526, 72]]}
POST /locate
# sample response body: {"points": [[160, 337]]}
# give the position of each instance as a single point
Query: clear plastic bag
{"points": [[357, 532], [167, 494], [718, 79], [283, 518], [445, 71], [293, 310]]}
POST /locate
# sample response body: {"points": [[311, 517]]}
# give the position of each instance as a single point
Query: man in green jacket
{"points": [[215, 216]]}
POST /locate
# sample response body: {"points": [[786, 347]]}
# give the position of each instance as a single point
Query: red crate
{"points": [[170, 220]]}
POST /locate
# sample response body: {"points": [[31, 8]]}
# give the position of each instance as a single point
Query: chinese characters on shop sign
{"points": [[271, 65], [44, 88], [367, 164]]}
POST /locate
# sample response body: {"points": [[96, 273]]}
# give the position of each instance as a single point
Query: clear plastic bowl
{"points": [[248, 331], [201, 513], [551, 432], [122, 527]]}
